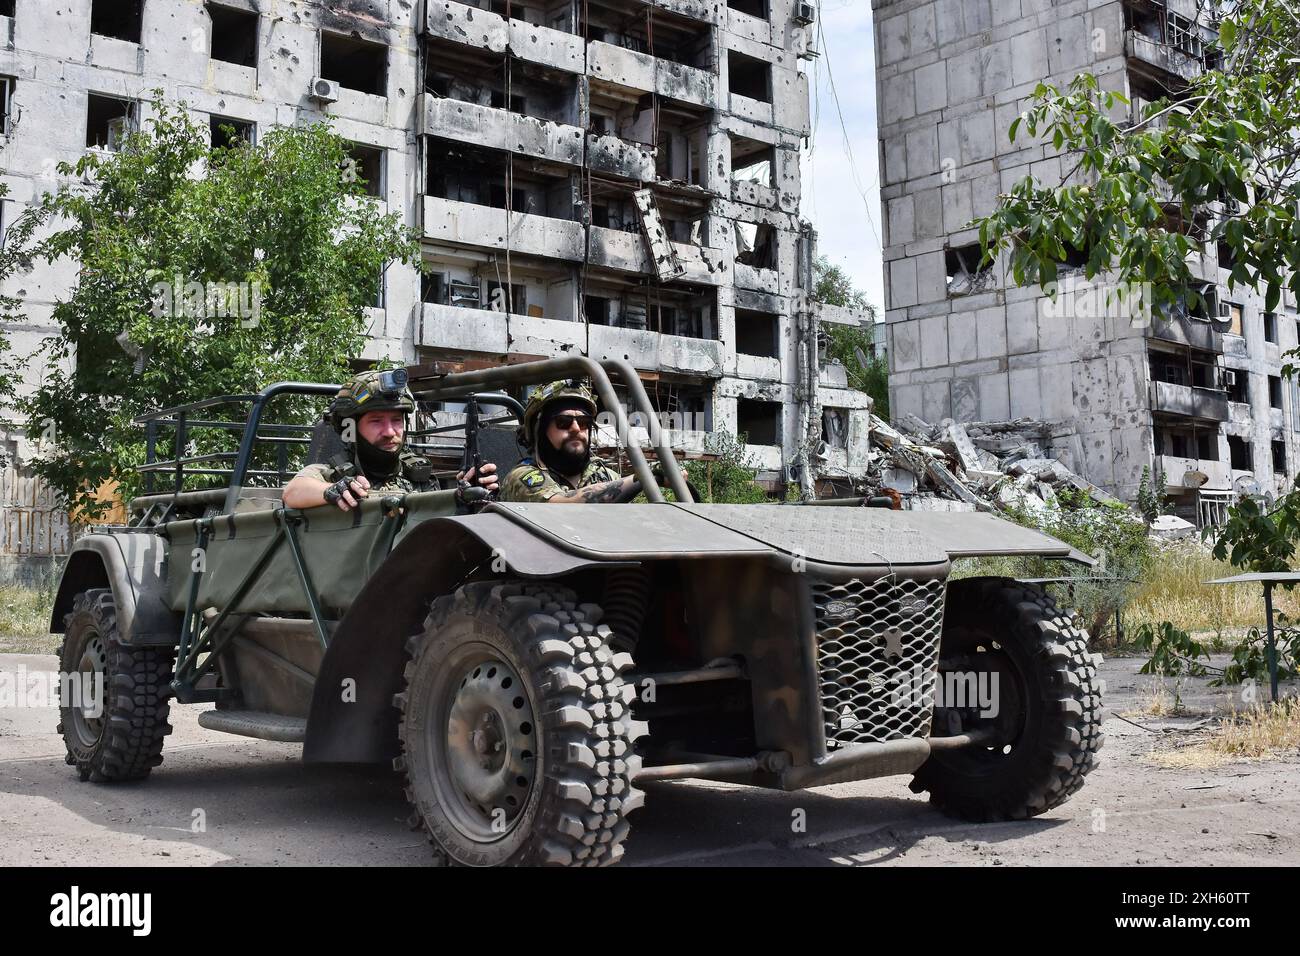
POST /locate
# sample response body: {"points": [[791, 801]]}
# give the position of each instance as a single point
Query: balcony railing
{"points": [[1162, 56], [1205, 403], [1185, 330]]}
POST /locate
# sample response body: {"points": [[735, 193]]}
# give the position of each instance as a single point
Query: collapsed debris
{"points": [[984, 466]]}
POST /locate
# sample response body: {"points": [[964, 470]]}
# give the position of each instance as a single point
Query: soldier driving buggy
{"points": [[529, 669]]}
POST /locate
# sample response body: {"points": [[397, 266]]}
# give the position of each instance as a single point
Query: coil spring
{"points": [[627, 595]]}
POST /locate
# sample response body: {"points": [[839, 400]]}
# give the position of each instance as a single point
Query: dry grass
{"points": [[1155, 700], [25, 621], [1174, 589], [1265, 732]]}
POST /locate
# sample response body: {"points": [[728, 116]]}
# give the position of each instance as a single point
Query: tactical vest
{"points": [[414, 474]]}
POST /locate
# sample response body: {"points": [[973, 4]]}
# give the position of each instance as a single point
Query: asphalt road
{"points": [[258, 804]]}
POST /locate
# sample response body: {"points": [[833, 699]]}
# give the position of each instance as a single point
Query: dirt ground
{"points": [[221, 800]]}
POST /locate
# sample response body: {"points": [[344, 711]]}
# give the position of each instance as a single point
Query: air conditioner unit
{"points": [[324, 91], [1224, 311], [805, 13], [1229, 378]]}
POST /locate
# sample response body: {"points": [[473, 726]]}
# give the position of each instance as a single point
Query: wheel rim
{"points": [[987, 656], [485, 759], [91, 668]]}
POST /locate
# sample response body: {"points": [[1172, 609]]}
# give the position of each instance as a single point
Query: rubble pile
{"points": [[985, 466]]}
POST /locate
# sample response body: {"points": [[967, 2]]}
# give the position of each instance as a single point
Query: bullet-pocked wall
{"points": [[965, 342], [618, 177]]}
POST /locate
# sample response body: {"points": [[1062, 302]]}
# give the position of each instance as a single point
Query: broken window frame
{"points": [[7, 86], [747, 332], [760, 9], [8, 8], [362, 155], [130, 115], [1240, 454], [124, 16], [434, 287], [774, 409], [234, 18], [216, 124], [1279, 456], [966, 262], [339, 45], [749, 64], [1270, 327], [1275, 392]]}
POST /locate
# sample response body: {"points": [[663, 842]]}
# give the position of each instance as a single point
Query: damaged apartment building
{"points": [[618, 178], [1199, 397]]}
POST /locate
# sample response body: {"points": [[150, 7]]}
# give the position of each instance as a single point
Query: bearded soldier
{"points": [[560, 468], [369, 413]]}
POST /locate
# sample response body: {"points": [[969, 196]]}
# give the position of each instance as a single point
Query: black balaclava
{"points": [[561, 460], [378, 465]]}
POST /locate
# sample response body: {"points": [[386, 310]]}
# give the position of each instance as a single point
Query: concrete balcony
{"points": [[1161, 56], [1204, 403], [1181, 473], [545, 139], [488, 332], [1187, 331], [470, 26], [487, 227], [641, 71]]}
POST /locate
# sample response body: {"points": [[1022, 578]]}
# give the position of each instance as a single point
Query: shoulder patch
{"points": [[533, 479]]}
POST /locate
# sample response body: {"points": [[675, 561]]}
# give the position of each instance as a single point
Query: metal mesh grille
{"points": [[877, 650]]}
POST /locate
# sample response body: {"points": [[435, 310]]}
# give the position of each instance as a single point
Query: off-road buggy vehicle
{"points": [[530, 668]]}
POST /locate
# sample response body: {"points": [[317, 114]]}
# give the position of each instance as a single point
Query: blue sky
{"points": [[847, 222]]}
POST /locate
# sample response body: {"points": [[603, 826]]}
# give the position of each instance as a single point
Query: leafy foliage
{"points": [[1171, 652], [1151, 497], [279, 218], [730, 477], [1217, 164], [834, 286]]}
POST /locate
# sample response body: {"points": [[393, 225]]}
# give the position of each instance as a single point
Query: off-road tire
{"points": [[580, 792], [1060, 727], [136, 689]]}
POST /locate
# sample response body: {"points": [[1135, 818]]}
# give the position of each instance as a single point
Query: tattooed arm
{"points": [[604, 492]]}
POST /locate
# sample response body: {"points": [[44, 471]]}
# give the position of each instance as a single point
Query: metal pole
{"points": [[1272, 645]]}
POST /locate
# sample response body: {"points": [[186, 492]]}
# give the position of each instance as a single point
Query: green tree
{"points": [[256, 271], [1214, 162], [1217, 161], [851, 345]]}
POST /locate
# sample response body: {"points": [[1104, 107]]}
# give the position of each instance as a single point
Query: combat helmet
{"points": [[573, 391], [373, 391]]}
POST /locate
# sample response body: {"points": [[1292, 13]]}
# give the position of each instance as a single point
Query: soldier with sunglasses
{"points": [[560, 468]]}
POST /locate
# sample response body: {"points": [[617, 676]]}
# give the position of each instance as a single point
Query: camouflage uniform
{"points": [[364, 393], [530, 481], [414, 475]]}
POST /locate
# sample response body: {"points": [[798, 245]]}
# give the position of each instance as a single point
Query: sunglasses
{"points": [[565, 422]]}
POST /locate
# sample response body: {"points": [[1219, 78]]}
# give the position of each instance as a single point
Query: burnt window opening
{"points": [[758, 333], [120, 19], [965, 270], [433, 288], [1207, 445], [234, 35], [7, 7], [517, 102], [752, 161], [1227, 258], [227, 132], [501, 297], [1206, 375], [667, 36], [474, 174], [109, 121], [355, 64], [365, 166], [1239, 456], [1076, 259], [1236, 381], [755, 8], [672, 309], [595, 309], [759, 421], [1270, 327], [1170, 368], [1279, 457], [1275, 391], [6, 104], [749, 76], [835, 426], [756, 245]]}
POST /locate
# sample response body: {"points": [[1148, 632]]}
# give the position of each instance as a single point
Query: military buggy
{"points": [[529, 669]]}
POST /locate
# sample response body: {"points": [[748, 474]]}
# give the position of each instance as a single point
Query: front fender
{"points": [[352, 715], [134, 567]]}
